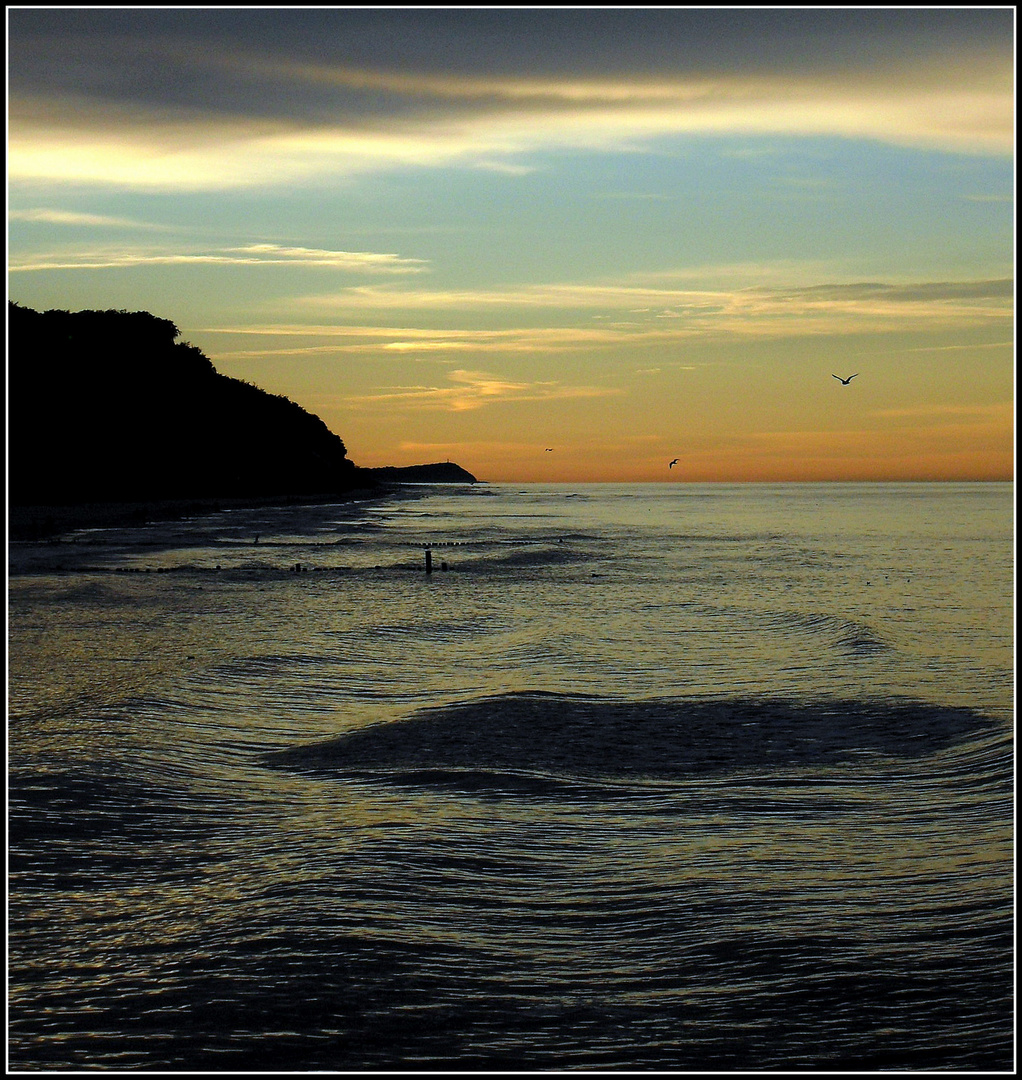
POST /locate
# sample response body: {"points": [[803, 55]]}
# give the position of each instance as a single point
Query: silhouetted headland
{"points": [[112, 420], [441, 472]]}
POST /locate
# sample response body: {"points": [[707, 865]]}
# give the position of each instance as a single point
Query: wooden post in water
{"points": [[429, 561]]}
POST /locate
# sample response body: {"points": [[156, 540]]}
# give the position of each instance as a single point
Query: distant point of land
{"points": [[441, 472]]}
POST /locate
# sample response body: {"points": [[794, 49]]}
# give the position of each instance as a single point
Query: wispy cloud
{"points": [[971, 347], [406, 342], [997, 288], [631, 298], [939, 413], [365, 262], [474, 390], [506, 168], [75, 218], [668, 313], [345, 260], [690, 314]]}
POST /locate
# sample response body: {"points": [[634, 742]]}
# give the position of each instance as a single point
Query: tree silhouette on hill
{"points": [[110, 406]]}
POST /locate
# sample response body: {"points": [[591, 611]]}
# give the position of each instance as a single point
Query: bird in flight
{"points": [[549, 449], [671, 464], [845, 382]]}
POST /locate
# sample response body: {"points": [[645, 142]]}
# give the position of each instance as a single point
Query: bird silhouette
{"points": [[671, 464], [549, 449], [845, 382]]}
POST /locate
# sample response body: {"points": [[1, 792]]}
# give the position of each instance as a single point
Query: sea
{"points": [[644, 778]]}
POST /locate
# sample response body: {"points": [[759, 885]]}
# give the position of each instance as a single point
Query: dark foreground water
{"points": [[652, 777]]}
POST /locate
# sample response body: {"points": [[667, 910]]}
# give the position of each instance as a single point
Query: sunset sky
{"points": [[629, 235]]}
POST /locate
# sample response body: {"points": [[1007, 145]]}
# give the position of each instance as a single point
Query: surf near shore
{"points": [[42, 522]]}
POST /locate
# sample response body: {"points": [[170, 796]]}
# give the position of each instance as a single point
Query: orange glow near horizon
{"points": [[724, 423], [588, 464]]}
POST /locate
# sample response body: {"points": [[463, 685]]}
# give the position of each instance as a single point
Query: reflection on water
{"points": [[660, 777]]}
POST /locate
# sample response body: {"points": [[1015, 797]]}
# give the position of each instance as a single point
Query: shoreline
{"points": [[47, 521]]}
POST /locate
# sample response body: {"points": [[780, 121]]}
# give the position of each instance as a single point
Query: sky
{"points": [[553, 245]]}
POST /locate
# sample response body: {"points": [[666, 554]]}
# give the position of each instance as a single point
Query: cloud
{"points": [[693, 314], [563, 296], [175, 101], [486, 44], [506, 168], [997, 288], [653, 300], [69, 217], [410, 340], [476, 389], [680, 313], [149, 151], [1002, 411], [366, 262], [971, 347]]}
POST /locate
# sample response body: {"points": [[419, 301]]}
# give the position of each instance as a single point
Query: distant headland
{"points": [[111, 417], [441, 472]]}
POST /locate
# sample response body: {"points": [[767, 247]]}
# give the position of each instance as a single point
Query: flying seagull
{"points": [[549, 449], [671, 464], [845, 382]]}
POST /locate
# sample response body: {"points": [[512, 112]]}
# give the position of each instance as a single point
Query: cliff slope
{"points": [[109, 406]]}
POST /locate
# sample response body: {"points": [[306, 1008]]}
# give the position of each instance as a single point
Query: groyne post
{"points": [[429, 561]]}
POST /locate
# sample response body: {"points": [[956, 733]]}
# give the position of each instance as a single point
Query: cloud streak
{"points": [[625, 297], [45, 216], [365, 262], [655, 314], [406, 342], [475, 390], [747, 315], [1001, 411]]}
